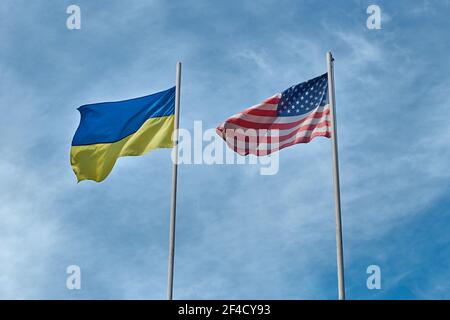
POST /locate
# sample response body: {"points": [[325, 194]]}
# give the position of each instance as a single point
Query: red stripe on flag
{"points": [[257, 152], [272, 100], [269, 139], [261, 112], [281, 126]]}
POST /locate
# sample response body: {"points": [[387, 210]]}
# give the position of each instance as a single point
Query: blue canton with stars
{"points": [[304, 97]]}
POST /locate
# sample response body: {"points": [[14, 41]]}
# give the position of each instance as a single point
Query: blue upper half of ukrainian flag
{"points": [[110, 130]]}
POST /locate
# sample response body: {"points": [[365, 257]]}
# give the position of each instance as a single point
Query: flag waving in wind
{"points": [[296, 115], [111, 130]]}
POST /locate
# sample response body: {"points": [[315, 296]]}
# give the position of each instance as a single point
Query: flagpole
{"points": [[173, 206], [337, 192]]}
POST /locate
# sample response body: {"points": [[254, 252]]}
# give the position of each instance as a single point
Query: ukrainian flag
{"points": [[111, 130]]}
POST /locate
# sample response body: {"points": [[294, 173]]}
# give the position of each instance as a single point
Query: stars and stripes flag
{"points": [[297, 115]]}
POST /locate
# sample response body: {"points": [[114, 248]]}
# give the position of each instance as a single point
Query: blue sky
{"points": [[240, 235]]}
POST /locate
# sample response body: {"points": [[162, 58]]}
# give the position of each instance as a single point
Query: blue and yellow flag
{"points": [[111, 130]]}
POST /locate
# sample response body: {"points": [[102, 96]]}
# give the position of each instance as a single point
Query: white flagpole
{"points": [[173, 206], [337, 192]]}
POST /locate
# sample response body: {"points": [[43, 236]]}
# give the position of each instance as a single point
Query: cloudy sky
{"points": [[240, 235]]}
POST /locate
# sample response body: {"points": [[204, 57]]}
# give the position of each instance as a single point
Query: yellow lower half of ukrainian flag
{"points": [[95, 161]]}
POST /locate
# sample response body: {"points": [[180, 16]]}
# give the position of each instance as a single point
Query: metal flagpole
{"points": [[173, 206], [337, 192]]}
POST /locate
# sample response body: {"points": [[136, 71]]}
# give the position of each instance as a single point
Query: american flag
{"points": [[297, 115]]}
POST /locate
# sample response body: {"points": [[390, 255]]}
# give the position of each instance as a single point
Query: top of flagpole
{"points": [[330, 56]]}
